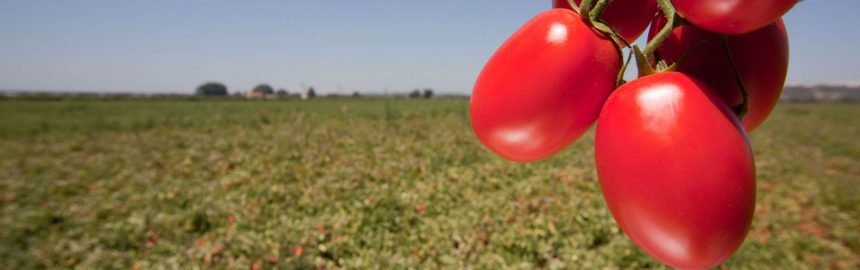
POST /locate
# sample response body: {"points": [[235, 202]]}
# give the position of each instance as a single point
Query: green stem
{"points": [[608, 31], [617, 40], [742, 109], [683, 58], [667, 7], [642, 63], [598, 9], [591, 18], [585, 9], [668, 11], [619, 80], [573, 5]]}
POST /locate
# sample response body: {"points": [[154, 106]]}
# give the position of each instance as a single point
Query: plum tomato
{"points": [[732, 16], [629, 18], [676, 169], [544, 87], [760, 56]]}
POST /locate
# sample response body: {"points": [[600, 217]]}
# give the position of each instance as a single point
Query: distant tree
{"points": [[282, 93], [311, 92], [415, 94], [428, 93], [211, 89], [356, 94], [263, 89]]}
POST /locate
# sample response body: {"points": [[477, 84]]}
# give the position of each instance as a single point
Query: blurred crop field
{"points": [[368, 184]]}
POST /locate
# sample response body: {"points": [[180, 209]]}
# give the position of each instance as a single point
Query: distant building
{"points": [[254, 94]]}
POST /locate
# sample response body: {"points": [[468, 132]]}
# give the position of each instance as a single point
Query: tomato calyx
{"points": [[642, 63], [673, 20], [646, 68]]}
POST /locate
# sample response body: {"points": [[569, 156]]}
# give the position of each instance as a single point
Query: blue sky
{"points": [[335, 45]]}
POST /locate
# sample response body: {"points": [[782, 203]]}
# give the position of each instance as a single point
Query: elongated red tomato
{"points": [[628, 17], [676, 170], [761, 58], [732, 16], [543, 87]]}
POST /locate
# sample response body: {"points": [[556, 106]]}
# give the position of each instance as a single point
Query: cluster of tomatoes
{"points": [[671, 147]]}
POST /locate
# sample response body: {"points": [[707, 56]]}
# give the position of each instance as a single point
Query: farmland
{"points": [[368, 183]]}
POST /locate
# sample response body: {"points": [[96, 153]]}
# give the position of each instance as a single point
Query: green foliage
{"points": [[418, 93], [368, 184], [264, 89], [211, 89], [415, 94]]}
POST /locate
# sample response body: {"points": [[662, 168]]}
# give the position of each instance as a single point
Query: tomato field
{"points": [[369, 183]]}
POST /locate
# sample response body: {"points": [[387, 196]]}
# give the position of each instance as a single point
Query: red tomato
{"points": [[628, 17], [761, 58], [676, 169], [732, 16], [544, 87]]}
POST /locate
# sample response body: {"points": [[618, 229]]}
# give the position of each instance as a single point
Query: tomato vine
{"points": [[527, 112], [742, 109], [672, 21], [644, 65], [592, 12]]}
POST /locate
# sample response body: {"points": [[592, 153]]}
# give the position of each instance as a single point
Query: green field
{"points": [[358, 184]]}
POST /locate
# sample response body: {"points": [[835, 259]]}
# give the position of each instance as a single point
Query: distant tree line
{"points": [[265, 90], [211, 89], [418, 93], [218, 89], [821, 93]]}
